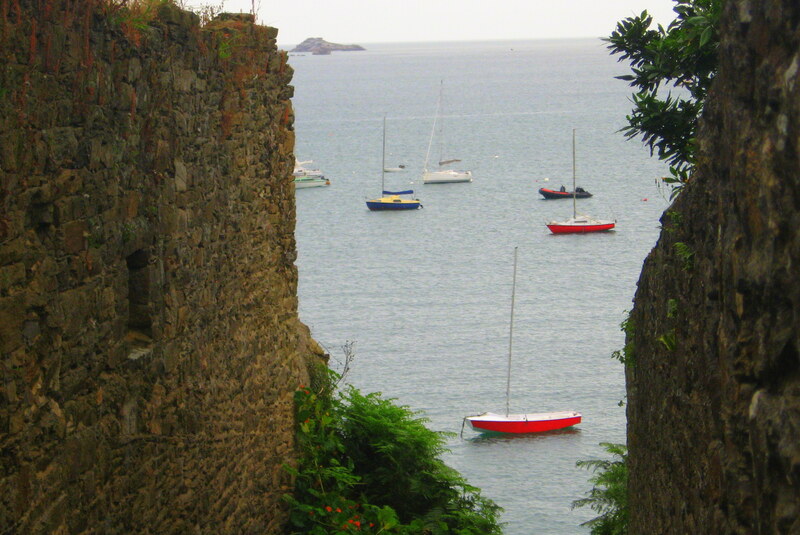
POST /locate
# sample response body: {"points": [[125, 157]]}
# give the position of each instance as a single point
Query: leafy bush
{"points": [[609, 495], [371, 466]]}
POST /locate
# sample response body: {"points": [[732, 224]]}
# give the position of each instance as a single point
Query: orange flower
{"points": [[328, 508], [338, 510]]}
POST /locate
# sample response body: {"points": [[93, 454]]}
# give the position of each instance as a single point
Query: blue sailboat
{"points": [[392, 200]]}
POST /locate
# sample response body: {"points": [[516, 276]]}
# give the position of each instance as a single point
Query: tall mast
{"points": [[441, 122], [383, 158], [511, 331], [574, 194], [433, 128]]}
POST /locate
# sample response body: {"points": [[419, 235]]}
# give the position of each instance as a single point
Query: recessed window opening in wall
{"points": [[140, 322]]}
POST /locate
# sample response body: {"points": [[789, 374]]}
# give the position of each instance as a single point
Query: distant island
{"points": [[319, 46]]}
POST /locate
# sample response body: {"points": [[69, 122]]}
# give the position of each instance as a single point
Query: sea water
{"points": [[426, 294]]}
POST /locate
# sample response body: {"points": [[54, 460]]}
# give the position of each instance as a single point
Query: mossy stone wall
{"points": [[149, 338], [714, 391]]}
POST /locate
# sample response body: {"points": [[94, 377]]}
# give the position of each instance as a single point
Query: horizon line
{"points": [[483, 40]]}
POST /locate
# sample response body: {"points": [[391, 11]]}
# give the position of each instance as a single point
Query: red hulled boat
{"points": [[520, 423], [523, 423], [579, 193], [578, 224]]}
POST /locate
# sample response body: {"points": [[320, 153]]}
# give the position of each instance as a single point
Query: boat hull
{"points": [[548, 193], [390, 203], [523, 423], [561, 228], [311, 182], [446, 177]]}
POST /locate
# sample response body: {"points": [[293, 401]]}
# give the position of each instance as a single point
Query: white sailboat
{"points": [[520, 423], [442, 175]]}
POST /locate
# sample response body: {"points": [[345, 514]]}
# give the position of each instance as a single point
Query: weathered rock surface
{"points": [[319, 46], [149, 338], [714, 394]]}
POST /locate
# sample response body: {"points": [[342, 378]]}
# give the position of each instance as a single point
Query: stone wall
{"points": [[714, 393], [149, 339]]}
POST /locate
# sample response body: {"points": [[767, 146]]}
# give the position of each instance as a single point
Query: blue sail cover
{"points": [[404, 192]]}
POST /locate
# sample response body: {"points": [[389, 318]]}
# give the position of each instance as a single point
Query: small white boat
{"points": [[442, 176], [445, 177], [308, 178], [398, 169], [301, 182], [301, 170]]}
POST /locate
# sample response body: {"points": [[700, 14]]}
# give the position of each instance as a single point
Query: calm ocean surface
{"points": [[426, 294]]}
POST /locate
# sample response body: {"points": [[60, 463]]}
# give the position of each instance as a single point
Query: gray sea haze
{"points": [[426, 294]]}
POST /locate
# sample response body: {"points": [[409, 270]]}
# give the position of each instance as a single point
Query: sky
{"points": [[382, 21]]}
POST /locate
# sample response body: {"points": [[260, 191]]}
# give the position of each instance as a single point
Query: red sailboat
{"points": [[578, 224], [525, 422]]}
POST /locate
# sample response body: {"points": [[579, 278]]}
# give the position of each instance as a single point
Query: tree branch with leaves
{"points": [[680, 60]]}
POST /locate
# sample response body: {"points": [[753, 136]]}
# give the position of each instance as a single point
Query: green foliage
{"points": [[674, 221], [686, 254], [225, 49], [672, 308], [626, 354], [609, 494], [369, 465], [133, 16], [668, 340], [127, 232], [684, 57]]}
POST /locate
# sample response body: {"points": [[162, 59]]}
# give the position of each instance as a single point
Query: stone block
{"points": [[62, 145], [181, 175], [184, 80], [9, 144], [134, 70], [103, 154], [75, 234], [11, 276], [68, 182], [131, 204], [12, 317]]}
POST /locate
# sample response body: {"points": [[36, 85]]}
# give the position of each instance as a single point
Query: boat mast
{"points": [[383, 158], [433, 129], [574, 194], [441, 122], [511, 331]]}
